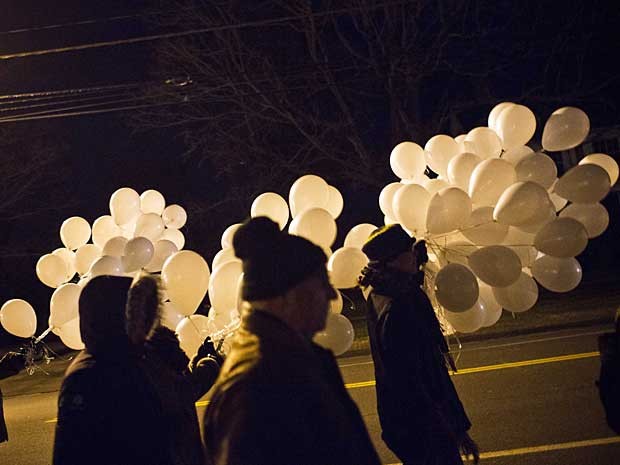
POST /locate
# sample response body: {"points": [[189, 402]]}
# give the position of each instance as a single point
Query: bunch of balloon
{"points": [[139, 234], [497, 219]]}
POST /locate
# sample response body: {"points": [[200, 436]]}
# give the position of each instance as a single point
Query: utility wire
{"points": [[171, 35]]}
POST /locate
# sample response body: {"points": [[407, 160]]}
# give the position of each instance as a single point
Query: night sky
{"points": [[99, 153]]}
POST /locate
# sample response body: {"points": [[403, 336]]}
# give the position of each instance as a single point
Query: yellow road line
{"points": [[500, 366], [545, 448], [463, 371]]}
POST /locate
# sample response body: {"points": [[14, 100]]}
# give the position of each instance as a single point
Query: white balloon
{"points": [[138, 253], [538, 168], [64, 304], [51, 270], [223, 256], [104, 229], [316, 225], [106, 265], [162, 249], [410, 206], [605, 162], [557, 274], [489, 179], [170, 317], [309, 191], [174, 235], [496, 265], [386, 199], [149, 225], [338, 334], [593, 216], [223, 286], [68, 256], [174, 217], [345, 266], [493, 309], [458, 251], [521, 243], [522, 203], [407, 160], [18, 317], [460, 169], [70, 336], [124, 205], [335, 202], [192, 331], [185, 275], [496, 111], [358, 235], [271, 205], [152, 201], [438, 151], [228, 234], [516, 154], [85, 256], [586, 183], [434, 185], [563, 237], [456, 287], [74, 232], [470, 320], [482, 229], [115, 247], [518, 297], [487, 142], [566, 128], [515, 126], [448, 209]]}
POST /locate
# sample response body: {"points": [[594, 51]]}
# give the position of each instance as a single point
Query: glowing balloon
{"points": [[434, 185], [74, 232], [338, 334], [223, 286], [593, 216], [439, 150], [566, 128], [316, 225], [228, 234], [138, 253], [64, 304], [271, 205], [104, 229], [18, 318], [487, 142], [482, 229], [170, 317], [223, 256], [605, 162], [149, 225], [175, 236], [51, 270], [358, 235], [345, 266], [185, 276], [335, 305], [563, 237], [586, 183], [152, 201], [410, 206], [192, 331], [174, 217], [386, 198], [493, 309], [521, 204], [516, 154], [496, 265], [522, 243], [458, 251], [496, 111], [70, 336], [515, 126], [115, 247], [68, 256], [460, 169], [335, 202], [448, 209], [106, 265], [489, 179], [162, 249], [407, 160], [519, 296], [456, 287], [124, 205], [309, 191], [557, 274], [538, 168], [470, 320]]}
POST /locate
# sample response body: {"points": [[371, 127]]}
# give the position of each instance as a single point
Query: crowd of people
{"points": [[278, 398]]}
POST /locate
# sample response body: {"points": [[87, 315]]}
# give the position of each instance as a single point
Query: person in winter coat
{"points": [[279, 398], [178, 382], [422, 418], [108, 411], [609, 379], [11, 364]]}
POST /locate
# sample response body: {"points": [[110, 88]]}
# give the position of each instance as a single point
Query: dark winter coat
{"points": [[179, 387], [280, 400], [420, 412], [609, 380], [108, 411], [11, 364]]}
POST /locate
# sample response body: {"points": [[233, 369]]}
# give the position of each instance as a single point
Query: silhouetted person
{"points": [[178, 382], [108, 411], [10, 364], [280, 398], [422, 418], [609, 380]]}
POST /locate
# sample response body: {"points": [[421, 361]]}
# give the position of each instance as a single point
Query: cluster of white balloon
{"points": [[140, 233], [497, 219]]}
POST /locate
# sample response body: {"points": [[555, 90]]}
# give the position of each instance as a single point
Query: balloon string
{"points": [[43, 334]]}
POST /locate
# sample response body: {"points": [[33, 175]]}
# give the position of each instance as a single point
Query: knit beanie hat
{"points": [[387, 243], [273, 260]]}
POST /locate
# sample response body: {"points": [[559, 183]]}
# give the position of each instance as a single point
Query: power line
{"points": [[171, 35]]}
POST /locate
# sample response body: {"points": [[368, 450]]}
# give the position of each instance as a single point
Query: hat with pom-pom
{"points": [[273, 261]]}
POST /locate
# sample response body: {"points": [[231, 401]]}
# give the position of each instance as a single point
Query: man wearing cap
{"points": [[422, 418], [279, 398]]}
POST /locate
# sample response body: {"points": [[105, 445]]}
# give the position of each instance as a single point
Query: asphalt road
{"points": [[532, 400]]}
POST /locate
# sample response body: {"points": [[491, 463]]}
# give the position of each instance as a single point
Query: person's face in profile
{"points": [[313, 298]]}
